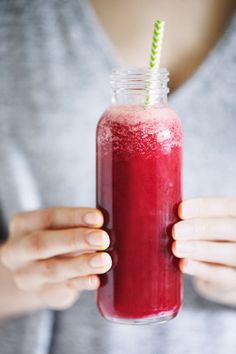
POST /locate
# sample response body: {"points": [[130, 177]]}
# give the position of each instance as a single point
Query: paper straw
{"points": [[156, 47]]}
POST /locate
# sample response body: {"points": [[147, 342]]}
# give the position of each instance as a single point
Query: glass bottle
{"points": [[139, 163]]}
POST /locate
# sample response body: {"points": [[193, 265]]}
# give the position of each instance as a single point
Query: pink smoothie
{"points": [[138, 190]]}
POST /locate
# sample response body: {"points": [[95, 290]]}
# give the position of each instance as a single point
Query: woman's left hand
{"points": [[205, 239]]}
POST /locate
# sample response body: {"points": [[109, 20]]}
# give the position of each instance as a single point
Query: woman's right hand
{"points": [[52, 253]]}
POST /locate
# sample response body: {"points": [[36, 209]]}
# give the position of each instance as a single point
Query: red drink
{"points": [[139, 162], [139, 188]]}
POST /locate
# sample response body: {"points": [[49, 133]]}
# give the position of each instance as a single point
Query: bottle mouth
{"points": [[132, 78]]}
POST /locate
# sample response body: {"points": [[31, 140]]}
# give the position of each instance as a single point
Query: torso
{"points": [[192, 29]]}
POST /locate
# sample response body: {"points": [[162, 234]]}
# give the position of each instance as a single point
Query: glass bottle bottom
{"points": [[160, 318]]}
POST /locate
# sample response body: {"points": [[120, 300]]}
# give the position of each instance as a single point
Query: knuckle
{"points": [[35, 244], [16, 223], [49, 270], [47, 217], [81, 267], [75, 243]]}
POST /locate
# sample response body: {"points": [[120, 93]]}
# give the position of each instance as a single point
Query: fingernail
{"points": [[98, 238], [184, 248], [100, 260], [93, 218], [93, 282], [183, 230]]}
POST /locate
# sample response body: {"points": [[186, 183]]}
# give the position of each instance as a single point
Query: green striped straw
{"points": [[155, 56]]}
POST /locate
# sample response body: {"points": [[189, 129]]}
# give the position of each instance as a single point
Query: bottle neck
{"points": [[137, 86]]}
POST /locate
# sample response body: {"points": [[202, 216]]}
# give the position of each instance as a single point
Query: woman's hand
{"points": [[52, 253], [206, 240]]}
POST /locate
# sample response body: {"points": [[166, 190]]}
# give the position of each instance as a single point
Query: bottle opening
{"points": [[135, 85]]}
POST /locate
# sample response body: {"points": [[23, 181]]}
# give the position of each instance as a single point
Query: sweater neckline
{"points": [[203, 68]]}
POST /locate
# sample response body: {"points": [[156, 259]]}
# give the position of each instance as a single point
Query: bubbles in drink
{"points": [[138, 189], [140, 131]]}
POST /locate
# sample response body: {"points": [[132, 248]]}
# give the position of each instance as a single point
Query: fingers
{"points": [[57, 270], [90, 282], [221, 275], [215, 292], [45, 244], [222, 229], [55, 218], [63, 295], [207, 207], [213, 252], [58, 297]]}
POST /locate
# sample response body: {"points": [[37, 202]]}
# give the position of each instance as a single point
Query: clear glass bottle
{"points": [[139, 159]]}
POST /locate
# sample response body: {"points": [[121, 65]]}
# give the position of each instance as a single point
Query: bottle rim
{"points": [[138, 78]]}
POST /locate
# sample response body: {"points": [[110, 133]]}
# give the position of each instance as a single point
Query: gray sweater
{"points": [[54, 67]]}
